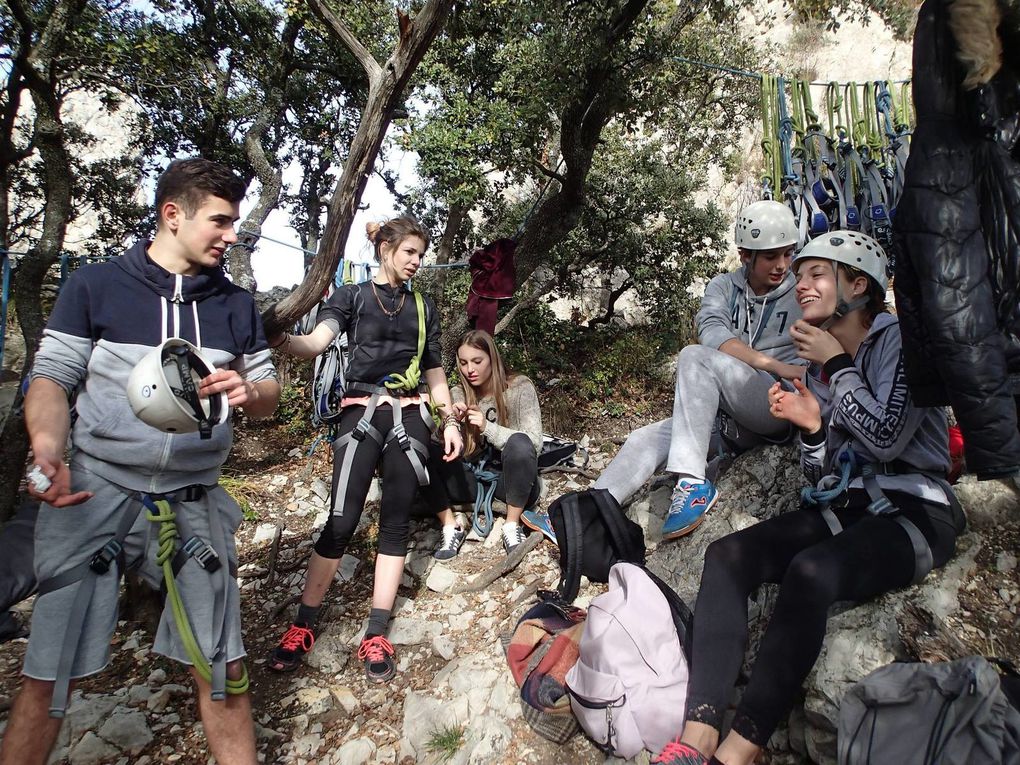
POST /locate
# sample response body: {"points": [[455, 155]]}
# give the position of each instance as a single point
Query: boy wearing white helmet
{"points": [[165, 310], [879, 514], [745, 346]]}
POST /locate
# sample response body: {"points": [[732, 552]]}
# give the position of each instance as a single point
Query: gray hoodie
{"points": [[867, 406], [107, 317], [730, 310]]}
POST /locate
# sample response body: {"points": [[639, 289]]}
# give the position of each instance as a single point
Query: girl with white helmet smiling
{"points": [[879, 516]]}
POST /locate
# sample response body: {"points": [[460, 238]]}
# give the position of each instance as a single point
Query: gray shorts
{"points": [[67, 537]]}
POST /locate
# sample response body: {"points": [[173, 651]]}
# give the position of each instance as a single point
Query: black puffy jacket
{"points": [[957, 244]]}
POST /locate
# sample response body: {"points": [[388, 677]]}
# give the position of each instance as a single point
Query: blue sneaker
{"points": [[687, 507], [539, 522]]}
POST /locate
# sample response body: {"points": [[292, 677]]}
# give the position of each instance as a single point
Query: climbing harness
{"points": [[171, 558], [852, 466], [408, 383], [848, 175]]}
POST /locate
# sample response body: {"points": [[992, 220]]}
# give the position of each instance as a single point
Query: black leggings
{"points": [[518, 477], [399, 483], [815, 569]]}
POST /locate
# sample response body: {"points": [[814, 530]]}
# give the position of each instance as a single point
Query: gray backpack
{"points": [[950, 713]]}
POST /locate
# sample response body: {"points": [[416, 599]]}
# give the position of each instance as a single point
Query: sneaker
{"points": [[377, 653], [295, 643], [539, 522], [675, 753], [453, 538], [512, 537], [687, 507]]}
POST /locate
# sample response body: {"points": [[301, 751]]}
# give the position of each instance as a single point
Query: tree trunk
{"points": [[454, 222], [48, 138], [594, 102], [386, 89], [270, 176]]}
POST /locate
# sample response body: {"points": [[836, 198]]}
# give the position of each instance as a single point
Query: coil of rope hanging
{"points": [[772, 177]]}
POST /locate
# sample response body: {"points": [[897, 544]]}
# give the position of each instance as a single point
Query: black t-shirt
{"points": [[379, 344]]}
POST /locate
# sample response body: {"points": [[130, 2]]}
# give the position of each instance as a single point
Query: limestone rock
{"points": [[330, 654], [412, 631], [356, 752], [92, 750], [128, 731], [441, 579]]}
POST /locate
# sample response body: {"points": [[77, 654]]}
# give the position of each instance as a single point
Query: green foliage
{"points": [[446, 742], [898, 15], [246, 493], [294, 409]]}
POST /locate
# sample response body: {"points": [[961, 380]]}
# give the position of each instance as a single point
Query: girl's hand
{"points": [[453, 443], [475, 418], [800, 408], [458, 409], [814, 344]]}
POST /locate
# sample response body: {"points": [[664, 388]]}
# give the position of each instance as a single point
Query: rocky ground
{"points": [[453, 699]]}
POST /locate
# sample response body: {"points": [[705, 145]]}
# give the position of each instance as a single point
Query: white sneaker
{"points": [[513, 535], [453, 538]]}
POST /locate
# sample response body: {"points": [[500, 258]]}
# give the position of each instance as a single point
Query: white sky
{"points": [[279, 265]]}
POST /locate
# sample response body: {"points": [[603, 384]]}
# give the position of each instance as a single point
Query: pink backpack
{"points": [[629, 686]]}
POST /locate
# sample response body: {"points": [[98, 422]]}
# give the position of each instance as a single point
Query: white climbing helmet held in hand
{"points": [[851, 248], [163, 390], [765, 225]]}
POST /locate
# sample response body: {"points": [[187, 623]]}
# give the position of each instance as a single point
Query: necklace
{"points": [[391, 313]]}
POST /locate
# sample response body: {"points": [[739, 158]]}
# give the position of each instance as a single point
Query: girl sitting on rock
{"points": [[880, 516], [394, 369], [502, 426]]}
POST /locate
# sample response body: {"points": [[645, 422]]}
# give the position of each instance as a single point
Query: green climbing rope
{"points": [[166, 518]]}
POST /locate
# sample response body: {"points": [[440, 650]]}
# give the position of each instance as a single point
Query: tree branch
{"points": [[341, 32], [547, 172]]}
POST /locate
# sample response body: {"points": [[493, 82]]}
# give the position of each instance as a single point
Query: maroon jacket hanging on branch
{"points": [[492, 280]]}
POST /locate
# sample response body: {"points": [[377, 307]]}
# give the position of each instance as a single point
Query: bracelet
{"points": [[286, 339], [450, 419]]}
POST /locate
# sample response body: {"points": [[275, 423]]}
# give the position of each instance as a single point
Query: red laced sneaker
{"points": [[377, 653], [676, 753], [295, 643]]}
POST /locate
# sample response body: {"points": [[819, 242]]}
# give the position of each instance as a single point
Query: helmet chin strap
{"points": [[183, 359], [843, 307]]}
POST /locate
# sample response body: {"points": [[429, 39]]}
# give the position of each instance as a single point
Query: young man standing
{"points": [[745, 346], [92, 525]]}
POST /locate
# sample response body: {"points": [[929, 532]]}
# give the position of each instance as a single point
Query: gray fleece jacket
{"points": [[730, 310]]}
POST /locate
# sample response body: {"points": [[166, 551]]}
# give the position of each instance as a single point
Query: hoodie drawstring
{"points": [[178, 298]]}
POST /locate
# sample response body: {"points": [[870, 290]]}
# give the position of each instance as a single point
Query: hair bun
{"points": [[372, 231]]}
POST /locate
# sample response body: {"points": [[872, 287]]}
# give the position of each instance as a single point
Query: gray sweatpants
{"points": [[707, 381]]}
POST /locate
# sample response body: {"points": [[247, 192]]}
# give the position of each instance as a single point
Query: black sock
{"points": [[307, 615], [378, 619]]}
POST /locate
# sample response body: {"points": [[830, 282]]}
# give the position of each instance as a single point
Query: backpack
{"points": [[628, 688], [929, 714], [542, 648], [593, 533], [558, 452]]}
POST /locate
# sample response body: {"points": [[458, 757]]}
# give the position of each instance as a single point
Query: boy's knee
{"points": [[235, 669]]}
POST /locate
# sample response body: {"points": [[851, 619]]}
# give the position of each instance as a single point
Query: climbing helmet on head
{"points": [[765, 225]]}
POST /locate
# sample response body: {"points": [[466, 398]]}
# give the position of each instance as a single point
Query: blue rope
{"points": [[847, 465], [481, 519]]}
